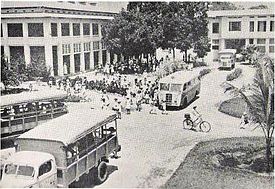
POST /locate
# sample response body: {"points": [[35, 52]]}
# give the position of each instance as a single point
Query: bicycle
{"points": [[190, 124]]}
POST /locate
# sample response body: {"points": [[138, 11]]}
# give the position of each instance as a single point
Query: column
{"points": [[82, 58], [222, 44], [71, 29], [81, 29], [115, 58], [100, 57], [27, 54], [25, 29], [58, 29], [5, 30], [60, 59], [246, 42], [72, 70], [92, 63], [47, 29], [49, 57], [7, 52], [108, 57]]}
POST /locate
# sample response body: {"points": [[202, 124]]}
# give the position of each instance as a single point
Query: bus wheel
{"points": [[205, 126], [187, 124], [101, 173]]}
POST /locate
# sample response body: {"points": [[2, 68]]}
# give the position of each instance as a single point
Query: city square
{"points": [[146, 144]]}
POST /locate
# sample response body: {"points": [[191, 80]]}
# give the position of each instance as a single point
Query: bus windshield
{"points": [[176, 87], [21, 170], [164, 86]]}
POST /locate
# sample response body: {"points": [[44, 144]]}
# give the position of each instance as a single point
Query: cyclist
{"points": [[195, 113]]}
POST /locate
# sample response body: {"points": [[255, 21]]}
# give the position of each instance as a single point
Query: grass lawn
{"points": [[233, 107], [198, 171]]}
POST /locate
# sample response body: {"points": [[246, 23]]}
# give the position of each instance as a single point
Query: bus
{"points": [[227, 59], [23, 111], [180, 88], [66, 149]]}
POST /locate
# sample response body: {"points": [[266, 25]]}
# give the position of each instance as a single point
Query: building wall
{"points": [[48, 41]]}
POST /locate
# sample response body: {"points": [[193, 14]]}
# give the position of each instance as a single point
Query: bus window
{"points": [[184, 87], [164, 86], [189, 83], [176, 87]]}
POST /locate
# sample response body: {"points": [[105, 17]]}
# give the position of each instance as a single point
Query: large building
{"points": [[238, 28], [66, 36]]}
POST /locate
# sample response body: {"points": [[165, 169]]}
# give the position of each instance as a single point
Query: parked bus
{"points": [[59, 152], [227, 58], [179, 88], [23, 111]]}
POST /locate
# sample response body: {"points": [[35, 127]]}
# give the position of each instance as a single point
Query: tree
{"points": [[12, 74], [250, 53], [37, 68], [215, 6], [261, 103], [259, 7]]}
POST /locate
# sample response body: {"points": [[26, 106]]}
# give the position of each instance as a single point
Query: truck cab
{"points": [[227, 59], [30, 169]]}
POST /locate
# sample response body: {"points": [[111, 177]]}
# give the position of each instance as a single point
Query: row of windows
{"points": [[37, 30], [77, 47], [236, 26]]}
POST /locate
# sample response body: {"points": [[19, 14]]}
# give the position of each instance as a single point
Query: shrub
{"points": [[234, 75], [199, 64], [233, 107], [205, 71]]}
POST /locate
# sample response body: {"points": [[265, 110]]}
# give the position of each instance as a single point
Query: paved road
{"points": [[153, 146]]}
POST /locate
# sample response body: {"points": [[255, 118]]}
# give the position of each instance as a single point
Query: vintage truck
{"points": [[59, 152]]}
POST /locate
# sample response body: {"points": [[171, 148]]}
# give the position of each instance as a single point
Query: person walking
{"points": [[163, 104], [244, 121], [128, 106]]}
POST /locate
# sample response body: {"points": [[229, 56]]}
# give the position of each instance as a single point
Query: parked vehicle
{"points": [[59, 152], [227, 59], [179, 88], [23, 111]]}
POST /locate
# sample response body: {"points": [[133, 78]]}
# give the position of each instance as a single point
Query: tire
{"points": [[205, 126], [187, 124], [101, 173]]}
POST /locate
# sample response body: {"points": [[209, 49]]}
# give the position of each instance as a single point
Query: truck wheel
{"points": [[101, 173]]}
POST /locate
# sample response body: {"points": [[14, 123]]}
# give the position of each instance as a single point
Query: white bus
{"points": [[179, 88], [227, 58]]}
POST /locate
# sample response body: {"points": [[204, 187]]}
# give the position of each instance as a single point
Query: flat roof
{"points": [[70, 127], [25, 97], [236, 13], [180, 77], [28, 158]]}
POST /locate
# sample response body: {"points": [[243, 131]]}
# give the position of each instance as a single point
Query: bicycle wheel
{"points": [[205, 126], [187, 124]]}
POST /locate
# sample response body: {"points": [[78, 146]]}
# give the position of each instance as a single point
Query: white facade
{"points": [[60, 52], [243, 27]]}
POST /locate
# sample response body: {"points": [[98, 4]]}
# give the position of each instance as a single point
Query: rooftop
{"points": [[180, 77], [70, 127], [245, 12]]}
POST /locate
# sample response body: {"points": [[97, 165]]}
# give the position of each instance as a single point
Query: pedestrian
{"points": [[115, 106], [128, 105], [153, 108], [50, 82], [30, 87], [163, 104], [119, 110]]}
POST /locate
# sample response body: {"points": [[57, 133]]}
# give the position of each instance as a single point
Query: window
{"points": [[35, 30], [262, 49], [87, 46], [164, 86], [271, 49], [66, 49], [215, 28], [76, 29], [176, 87], [234, 26], [45, 168], [251, 41], [215, 47], [15, 30], [103, 46], [86, 29], [25, 171], [95, 45], [260, 41], [1, 31], [271, 41], [251, 26], [95, 29], [261, 26], [215, 41], [65, 29], [77, 47], [271, 25], [54, 29]]}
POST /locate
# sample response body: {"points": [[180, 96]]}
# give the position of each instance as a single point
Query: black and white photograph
{"points": [[137, 94]]}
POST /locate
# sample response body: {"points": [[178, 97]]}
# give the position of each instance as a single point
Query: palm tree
{"points": [[261, 103]]}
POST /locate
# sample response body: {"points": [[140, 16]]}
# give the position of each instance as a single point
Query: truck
{"points": [[227, 59], [59, 152]]}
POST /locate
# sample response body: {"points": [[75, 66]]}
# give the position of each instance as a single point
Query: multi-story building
{"points": [[66, 36], [234, 29]]}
